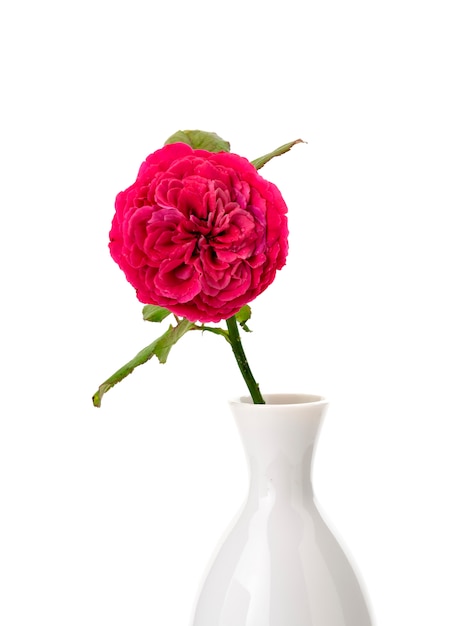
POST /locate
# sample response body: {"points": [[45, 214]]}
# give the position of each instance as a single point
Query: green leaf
{"points": [[242, 316], [159, 348], [216, 330], [153, 313], [261, 161], [164, 344], [200, 139]]}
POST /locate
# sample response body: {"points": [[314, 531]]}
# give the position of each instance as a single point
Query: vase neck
{"points": [[279, 440], [282, 479]]}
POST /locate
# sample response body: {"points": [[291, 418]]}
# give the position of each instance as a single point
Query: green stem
{"points": [[242, 361]]}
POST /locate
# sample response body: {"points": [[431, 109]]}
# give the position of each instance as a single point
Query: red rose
{"points": [[199, 233]]}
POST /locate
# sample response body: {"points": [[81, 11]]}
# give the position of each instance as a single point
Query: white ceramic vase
{"points": [[279, 564]]}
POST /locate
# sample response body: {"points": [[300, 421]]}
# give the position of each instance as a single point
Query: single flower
{"points": [[199, 233]]}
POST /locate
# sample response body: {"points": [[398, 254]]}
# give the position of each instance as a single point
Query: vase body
{"points": [[279, 564]]}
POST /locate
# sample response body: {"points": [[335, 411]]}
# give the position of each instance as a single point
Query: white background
{"points": [[109, 516]]}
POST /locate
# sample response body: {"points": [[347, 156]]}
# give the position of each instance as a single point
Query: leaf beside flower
{"points": [[261, 161]]}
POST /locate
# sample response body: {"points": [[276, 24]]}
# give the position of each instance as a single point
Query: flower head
{"points": [[199, 233]]}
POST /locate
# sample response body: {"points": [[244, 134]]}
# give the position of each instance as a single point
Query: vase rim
{"points": [[281, 399]]}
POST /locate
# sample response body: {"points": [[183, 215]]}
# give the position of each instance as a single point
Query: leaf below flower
{"points": [[163, 344], [242, 316], [159, 348], [153, 313]]}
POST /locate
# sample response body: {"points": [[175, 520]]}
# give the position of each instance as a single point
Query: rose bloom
{"points": [[199, 233]]}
